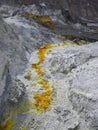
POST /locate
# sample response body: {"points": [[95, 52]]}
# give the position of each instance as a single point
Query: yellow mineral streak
{"points": [[42, 54], [44, 83], [44, 19], [8, 124], [43, 100]]}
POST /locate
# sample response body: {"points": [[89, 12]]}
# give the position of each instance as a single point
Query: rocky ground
{"points": [[47, 82]]}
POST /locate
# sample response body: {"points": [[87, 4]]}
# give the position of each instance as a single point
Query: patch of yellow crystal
{"points": [[38, 69], [45, 20], [8, 124], [43, 100], [44, 83], [41, 55], [28, 15]]}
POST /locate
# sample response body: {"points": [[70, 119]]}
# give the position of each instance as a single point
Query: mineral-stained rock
{"points": [[46, 81], [63, 22], [73, 101], [83, 10]]}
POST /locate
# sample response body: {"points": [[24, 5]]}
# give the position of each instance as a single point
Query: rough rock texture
{"points": [[75, 13], [46, 81], [19, 37], [85, 10], [54, 4]]}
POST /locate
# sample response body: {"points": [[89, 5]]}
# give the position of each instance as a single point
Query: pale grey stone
{"points": [[72, 71]]}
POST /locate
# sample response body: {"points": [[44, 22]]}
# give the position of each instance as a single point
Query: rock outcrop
{"points": [[47, 82], [81, 13], [80, 10]]}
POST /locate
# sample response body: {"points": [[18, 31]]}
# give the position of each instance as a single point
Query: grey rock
{"points": [[84, 8], [7, 11], [71, 74], [3, 70], [83, 91], [87, 10], [16, 92]]}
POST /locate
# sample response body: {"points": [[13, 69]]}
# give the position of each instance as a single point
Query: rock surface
{"points": [[46, 81], [74, 13], [87, 9]]}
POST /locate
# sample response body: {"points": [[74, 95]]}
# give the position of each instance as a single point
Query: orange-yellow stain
{"points": [[42, 54], [8, 124], [44, 83], [43, 100], [44, 20], [38, 69]]}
